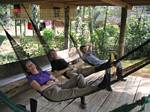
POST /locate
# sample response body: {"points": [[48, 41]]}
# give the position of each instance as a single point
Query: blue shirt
{"points": [[42, 77], [90, 58]]}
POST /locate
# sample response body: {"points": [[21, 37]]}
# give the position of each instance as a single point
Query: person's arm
{"points": [[35, 85], [53, 77], [60, 72], [89, 45]]}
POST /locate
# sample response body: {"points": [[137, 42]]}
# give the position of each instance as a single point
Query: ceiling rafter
{"points": [[118, 3], [122, 3]]}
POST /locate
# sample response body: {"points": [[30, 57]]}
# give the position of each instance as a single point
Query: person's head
{"points": [[31, 68], [83, 49], [52, 54]]}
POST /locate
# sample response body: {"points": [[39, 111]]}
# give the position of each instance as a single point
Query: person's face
{"points": [[84, 49], [31, 67], [53, 55]]}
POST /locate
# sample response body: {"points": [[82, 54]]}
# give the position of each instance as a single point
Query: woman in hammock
{"points": [[51, 89]]}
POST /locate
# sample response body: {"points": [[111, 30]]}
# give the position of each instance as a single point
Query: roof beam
{"points": [[118, 3]]}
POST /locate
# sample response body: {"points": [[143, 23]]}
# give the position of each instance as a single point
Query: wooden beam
{"points": [[137, 2], [122, 3], [66, 28], [118, 3]]}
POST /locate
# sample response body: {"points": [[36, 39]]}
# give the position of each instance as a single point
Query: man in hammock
{"points": [[50, 88], [91, 59], [61, 67]]}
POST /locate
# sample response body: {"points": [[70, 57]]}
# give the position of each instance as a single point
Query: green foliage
{"points": [[32, 46], [48, 34], [4, 15], [138, 31], [105, 41], [2, 38], [7, 58]]}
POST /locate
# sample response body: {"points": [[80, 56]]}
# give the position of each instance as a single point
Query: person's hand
{"points": [[50, 82]]}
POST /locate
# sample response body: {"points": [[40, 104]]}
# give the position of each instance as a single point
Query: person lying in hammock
{"points": [[51, 89], [60, 66], [91, 59]]}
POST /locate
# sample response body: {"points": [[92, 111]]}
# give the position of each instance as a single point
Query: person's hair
{"points": [[26, 70], [81, 47], [49, 53]]}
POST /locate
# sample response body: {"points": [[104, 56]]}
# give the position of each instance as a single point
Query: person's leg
{"points": [[86, 71], [106, 80], [76, 81], [103, 66], [56, 93], [119, 71]]}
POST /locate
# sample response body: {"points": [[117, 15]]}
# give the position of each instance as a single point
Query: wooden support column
{"points": [[66, 28], [122, 31], [21, 28], [15, 28]]}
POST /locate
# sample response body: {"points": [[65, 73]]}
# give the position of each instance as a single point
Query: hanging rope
{"points": [[37, 31], [20, 53], [76, 46]]}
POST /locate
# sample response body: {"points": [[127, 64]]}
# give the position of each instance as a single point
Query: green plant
{"points": [[48, 34]]}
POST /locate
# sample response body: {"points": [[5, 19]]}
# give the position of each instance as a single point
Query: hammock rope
{"points": [[37, 31]]}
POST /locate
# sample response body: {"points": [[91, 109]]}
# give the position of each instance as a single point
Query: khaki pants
{"points": [[74, 87]]}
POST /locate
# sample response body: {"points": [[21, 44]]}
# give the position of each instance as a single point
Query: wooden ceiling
{"points": [[122, 3]]}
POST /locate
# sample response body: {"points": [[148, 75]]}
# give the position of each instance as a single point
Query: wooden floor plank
{"points": [[127, 95], [114, 100]]}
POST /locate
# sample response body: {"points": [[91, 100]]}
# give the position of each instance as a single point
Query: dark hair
{"points": [[81, 47], [50, 51], [49, 54], [25, 68]]}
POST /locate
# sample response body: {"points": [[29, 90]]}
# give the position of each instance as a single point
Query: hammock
{"points": [[17, 107]]}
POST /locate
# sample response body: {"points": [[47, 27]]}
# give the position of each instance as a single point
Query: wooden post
{"points": [[91, 22], [20, 28], [122, 31], [15, 29], [24, 33], [66, 28]]}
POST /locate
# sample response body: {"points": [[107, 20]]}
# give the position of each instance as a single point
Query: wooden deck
{"points": [[103, 101]]}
